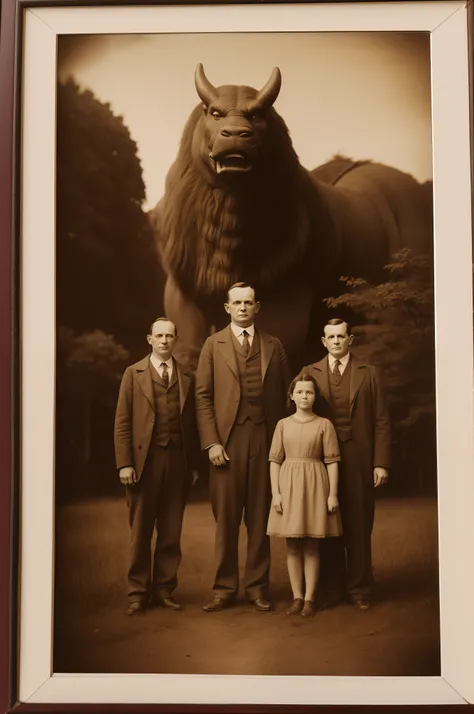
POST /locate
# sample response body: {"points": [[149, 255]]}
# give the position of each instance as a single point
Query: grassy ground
{"points": [[400, 636]]}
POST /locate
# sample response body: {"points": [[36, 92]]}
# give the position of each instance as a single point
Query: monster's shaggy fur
{"points": [[211, 238]]}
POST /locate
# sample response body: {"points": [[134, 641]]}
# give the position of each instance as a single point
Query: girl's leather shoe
{"points": [[295, 607], [309, 609]]}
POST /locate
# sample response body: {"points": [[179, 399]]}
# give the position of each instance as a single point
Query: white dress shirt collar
{"points": [[157, 362], [237, 330], [343, 362]]}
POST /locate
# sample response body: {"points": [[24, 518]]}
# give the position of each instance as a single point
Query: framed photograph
{"points": [[152, 156]]}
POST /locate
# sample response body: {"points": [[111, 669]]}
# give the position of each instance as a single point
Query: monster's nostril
{"points": [[239, 132]]}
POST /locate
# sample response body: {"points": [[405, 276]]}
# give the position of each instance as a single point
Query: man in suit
{"points": [[157, 451], [241, 384], [350, 396]]}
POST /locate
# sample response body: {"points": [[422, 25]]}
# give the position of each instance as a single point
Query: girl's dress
{"points": [[300, 448]]}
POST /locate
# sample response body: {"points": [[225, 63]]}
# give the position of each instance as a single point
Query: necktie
{"points": [[246, 343], [336, 372], [164, 375]]}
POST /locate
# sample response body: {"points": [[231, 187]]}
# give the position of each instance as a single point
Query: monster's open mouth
{"points": [[231, 162]]}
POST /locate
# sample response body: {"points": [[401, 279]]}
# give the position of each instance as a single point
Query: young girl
{"points": [[304, 491]]}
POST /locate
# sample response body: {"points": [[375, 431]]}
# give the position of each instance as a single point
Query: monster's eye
{"points": [[216, 114], [254, 116]]}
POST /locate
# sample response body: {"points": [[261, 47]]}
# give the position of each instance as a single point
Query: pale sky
{"points": [[366, 95]]}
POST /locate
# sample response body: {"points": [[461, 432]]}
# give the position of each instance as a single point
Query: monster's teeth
{"points": [[218, 167]]}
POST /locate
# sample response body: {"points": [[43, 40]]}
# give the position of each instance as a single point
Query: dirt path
{"points": [[399, 636]]}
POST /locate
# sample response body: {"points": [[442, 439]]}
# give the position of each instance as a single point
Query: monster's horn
{"points": [[204, 88], [267, 95]]}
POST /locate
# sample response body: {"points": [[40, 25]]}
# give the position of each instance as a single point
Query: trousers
{"points": [[157, 502], [242, 488]]}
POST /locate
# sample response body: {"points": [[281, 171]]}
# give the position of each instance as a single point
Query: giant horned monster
{"points": [[239, 206]]}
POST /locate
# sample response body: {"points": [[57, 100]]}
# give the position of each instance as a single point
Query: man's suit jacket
{"points": [[135, 416], [370, 422], [218, 385]]}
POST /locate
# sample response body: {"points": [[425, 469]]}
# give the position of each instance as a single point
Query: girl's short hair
{"points": [[301, 377]]}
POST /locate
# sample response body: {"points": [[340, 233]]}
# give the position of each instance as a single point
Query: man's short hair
{"points": [[162, 319], [242, 285], [338, 321]]}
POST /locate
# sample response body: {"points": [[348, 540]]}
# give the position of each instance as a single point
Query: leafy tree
{"points": [[397, 334], [108, 283], [107, 269], [89, 369]]}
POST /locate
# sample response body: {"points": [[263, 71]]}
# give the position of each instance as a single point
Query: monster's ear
{"points": [[204, 88]]}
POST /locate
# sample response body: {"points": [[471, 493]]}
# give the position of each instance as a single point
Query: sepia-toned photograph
{"points": [[245, 417]]}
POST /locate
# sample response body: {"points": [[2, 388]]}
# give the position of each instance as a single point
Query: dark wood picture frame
{"points": [[11, 38]]}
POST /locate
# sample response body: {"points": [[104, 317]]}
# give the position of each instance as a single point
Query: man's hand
{"points": [[333, 504], [380, 476], [217, 455], [277, 503], [195, 475], [128, 475]]}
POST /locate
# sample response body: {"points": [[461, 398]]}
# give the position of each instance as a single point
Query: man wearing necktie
{"points": [[157, 452], [350, 395], [241, 384]]}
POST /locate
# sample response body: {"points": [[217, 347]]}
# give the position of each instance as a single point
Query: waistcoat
{"points": [[167, 409], [251, 386], [340, 400]]}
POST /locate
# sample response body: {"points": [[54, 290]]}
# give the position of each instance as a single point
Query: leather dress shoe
{"points": [[136, 607], [216, 604], [309, 609], [362, 605], [262, 605], [295, 607], [166, 601]]}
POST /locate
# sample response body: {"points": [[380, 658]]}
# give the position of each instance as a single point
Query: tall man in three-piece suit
{"points": [[241, 384], [350, 395], [157, 452]]}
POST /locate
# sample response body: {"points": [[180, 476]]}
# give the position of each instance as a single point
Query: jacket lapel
{"points": [[184, 382], [321, 370], [357, 376], [267, 347], [143, 375], [226, 348], [174, 375]]}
